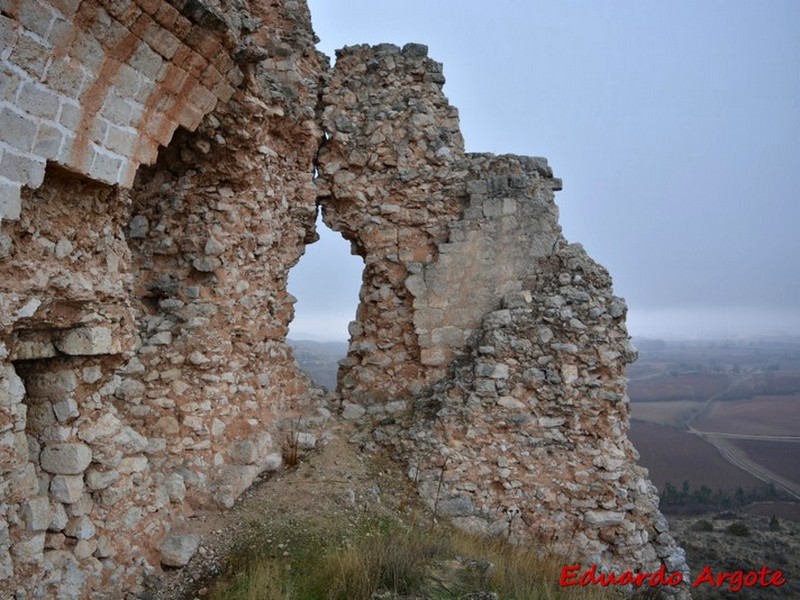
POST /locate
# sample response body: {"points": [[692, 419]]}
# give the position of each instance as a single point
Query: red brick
{"points": [[166, 15], [211, 77], [149, 6], [182, 27]]}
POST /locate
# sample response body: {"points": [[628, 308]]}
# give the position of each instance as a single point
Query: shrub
{"points": [[738, 528], [703, 525]]}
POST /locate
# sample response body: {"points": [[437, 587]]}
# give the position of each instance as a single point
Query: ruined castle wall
{"points": [[157, 183], [497, 349], [509, 221], [143, 370], [443, 233], [527, 437], [66, 325], [392, 178]]}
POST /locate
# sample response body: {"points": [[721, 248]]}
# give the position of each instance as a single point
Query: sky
{"points": [[675, 127]]}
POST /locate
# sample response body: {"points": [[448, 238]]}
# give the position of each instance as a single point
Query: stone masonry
{"points": [[97, 86], [161, 167], [487, 353], [144, 374]]}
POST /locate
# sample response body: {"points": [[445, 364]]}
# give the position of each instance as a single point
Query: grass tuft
{"points": [[381, 556]]}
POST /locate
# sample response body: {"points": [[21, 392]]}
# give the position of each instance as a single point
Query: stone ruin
{"points": [[161, 167]]}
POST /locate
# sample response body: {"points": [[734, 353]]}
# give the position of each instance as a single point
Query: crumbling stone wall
{"points": [[143, 370], [389, 172], [444, 234], [157, 183], [487, 352], [526, 438]]}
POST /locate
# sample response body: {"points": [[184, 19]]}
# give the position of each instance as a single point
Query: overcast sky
{"points": [[674, 125]]}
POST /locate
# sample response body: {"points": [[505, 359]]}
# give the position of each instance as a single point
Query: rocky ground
{"points": [[728, 542], [330, 494], [337, 482]]}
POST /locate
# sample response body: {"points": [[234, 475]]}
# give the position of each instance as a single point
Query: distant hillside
{"points": [[319, 359]]}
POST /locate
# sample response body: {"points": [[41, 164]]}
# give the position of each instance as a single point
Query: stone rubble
{"points": [[161, 167]]}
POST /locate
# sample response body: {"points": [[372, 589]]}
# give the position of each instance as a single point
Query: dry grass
{"points": [[406, 562]]}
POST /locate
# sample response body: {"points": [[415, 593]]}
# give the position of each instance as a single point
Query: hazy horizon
{"points": [[675, 128]]}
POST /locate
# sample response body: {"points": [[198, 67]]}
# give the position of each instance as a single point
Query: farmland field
{"points": [[679, 386], [673, 413], [783, 510], [674, 456], [762, 415], [781, 457]]}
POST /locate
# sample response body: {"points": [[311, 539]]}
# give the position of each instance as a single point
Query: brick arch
{"points": [[98, 86]]}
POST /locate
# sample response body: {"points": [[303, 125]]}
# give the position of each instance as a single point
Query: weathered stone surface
{"points": [[80, 528], [66, 459], [67, 488], [147, 321], [177, 550], [491, 310], [36, 514], [86, 341]]}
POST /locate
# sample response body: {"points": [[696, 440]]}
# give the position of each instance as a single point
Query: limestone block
{"points": [[132, 464], [10, 200], [352, 412], [92, 374], [214, 247], [84, 548], [130, 389], [66, 409], [81, 528], [66, 459], [175, 487], [104, 549], [569, 373], [36, 514], [162, 338], [177, 550], [139, 226], [603, 518], [100, 480], [433, 357], [12, 390], [67, 488], [19, 130], [206, 264], [58, 518], [456, 507], [29, 550], [510, 403], [87, 341]]}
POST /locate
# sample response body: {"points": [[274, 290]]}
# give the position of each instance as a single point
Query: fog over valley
{"points": [[678, 145]]}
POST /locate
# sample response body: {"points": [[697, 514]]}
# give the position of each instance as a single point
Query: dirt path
{"points": [[792, 439], [335, 482], [740, 459]]}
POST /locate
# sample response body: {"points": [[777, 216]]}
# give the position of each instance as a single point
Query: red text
{"points": [[741, 579]]}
